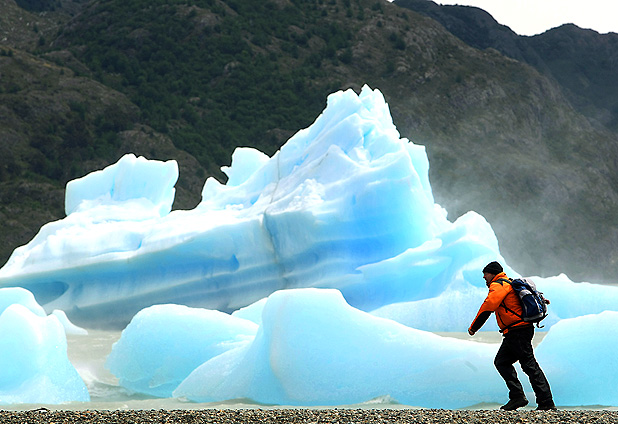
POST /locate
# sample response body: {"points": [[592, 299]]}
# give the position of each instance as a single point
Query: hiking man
{"points": [[516, 343]]}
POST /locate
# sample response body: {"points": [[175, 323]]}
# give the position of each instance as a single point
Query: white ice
{"points": [[163, 344], [314, 349], [34, 367], [344, 206], [579, 356]]}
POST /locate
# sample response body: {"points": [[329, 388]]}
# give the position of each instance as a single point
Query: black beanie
{"points": [[493, 268]]}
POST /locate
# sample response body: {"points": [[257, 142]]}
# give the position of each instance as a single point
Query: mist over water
{"points": [[528, 245]]}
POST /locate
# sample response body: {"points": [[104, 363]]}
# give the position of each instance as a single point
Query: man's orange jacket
{"points": [[502, 300]]}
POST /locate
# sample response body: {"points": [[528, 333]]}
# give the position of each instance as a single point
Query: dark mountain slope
{"points": [[583, 61], [474, 26], [511, 149], [56, 126], [586, 64]]}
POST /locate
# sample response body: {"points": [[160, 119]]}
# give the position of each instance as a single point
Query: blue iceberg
{"points": [[163, 344], [34, 366], [317, 276], [344, 204], [314, 349]]}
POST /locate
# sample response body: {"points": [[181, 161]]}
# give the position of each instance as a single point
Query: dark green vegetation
{"points": [[84, 82], [212, 74]]}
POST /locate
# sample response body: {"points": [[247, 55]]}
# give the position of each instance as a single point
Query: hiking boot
{"points": [[513, 404], [546, 407]]}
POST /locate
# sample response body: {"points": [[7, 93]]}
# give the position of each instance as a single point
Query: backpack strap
{"points": [[508, 280]]}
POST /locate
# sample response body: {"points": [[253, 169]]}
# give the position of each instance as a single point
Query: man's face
{"points": [[488, 277]]}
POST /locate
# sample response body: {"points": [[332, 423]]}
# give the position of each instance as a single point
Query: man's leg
{"points": [[505, 358], [531, 367]]}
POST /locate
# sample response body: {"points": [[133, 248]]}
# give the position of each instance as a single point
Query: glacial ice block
{"points": [[17, 295], [578, 357], [163, 343], [34, 367], [314, 349], [339, 196], [147, 185]]}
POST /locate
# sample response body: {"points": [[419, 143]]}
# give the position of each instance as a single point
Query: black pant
{"points": [[517, 346]]}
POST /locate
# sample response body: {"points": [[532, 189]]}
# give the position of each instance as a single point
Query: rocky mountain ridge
{"points": [[582, 61]]}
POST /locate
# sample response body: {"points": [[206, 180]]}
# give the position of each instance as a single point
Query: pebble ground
{"points": [[310, 416]]}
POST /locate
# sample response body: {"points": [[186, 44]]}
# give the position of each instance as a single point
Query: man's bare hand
{"points": [[471, 332]]}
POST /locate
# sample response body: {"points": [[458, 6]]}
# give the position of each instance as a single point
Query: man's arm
{"points": [[479, 321], [496, 295]]}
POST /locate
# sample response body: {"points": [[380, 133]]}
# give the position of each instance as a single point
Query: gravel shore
{"points": [[309, 416]]}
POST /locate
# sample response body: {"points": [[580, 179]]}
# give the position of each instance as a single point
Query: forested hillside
{"points": [[84, 82]]}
